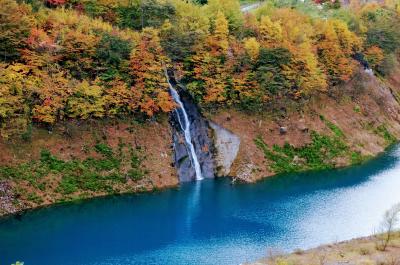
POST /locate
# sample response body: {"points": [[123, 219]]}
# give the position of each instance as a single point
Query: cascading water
{"points": [[369, 71], [184, 122]]}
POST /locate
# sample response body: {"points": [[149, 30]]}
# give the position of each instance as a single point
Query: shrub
{"points": [[317, 155], [334, 128], [365, 251], [382, 131], [111, 51], [270, 74], [104, 149]]}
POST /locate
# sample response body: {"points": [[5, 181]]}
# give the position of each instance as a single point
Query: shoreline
{"points": [[82, 200], [23, 211], [361, 250]]}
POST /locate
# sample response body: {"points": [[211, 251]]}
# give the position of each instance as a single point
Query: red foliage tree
{"points": [[55, 2]]}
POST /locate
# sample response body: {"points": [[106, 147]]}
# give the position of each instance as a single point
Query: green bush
{"points": [[270, 74], [382, 131], [150, 13], [104, 149], [136, 172], [334, 128], [67, 185], [112, 54]]}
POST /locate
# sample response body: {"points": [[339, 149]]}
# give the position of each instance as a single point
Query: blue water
{"points": [[209, 222]]}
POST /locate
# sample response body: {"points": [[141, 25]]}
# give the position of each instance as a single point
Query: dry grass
{"points": [[361, 251]]}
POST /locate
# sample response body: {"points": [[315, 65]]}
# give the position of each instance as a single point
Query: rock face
{"points": [[6, 198], [200, 134], [226, 146]]}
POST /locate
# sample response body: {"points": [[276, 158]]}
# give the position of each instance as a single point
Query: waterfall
{"points": [[369, 71], [185, 126]]}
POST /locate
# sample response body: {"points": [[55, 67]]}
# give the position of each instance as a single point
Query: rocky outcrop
{"points": [[226, 146], [6, 198]]}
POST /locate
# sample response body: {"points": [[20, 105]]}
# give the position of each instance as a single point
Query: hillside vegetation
{"points": [[83, 59]]}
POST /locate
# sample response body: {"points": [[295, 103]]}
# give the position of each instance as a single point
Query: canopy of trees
{"points": [[83, 59]]}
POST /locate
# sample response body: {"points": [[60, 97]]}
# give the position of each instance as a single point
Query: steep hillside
{"points": [[83, 160], [362, 115]]}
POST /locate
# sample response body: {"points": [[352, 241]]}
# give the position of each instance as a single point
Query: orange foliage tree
{"points": [[148, 64], [209, 70]]}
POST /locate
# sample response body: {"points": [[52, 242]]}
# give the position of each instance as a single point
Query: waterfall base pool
{"points": [[208, 222]]}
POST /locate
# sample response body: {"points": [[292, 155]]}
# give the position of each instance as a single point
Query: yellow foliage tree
{"points": [[86, 102], [15, 88], [252, 47], [270, 33], [120, 98], [209, 67], [53, 91], [221, 33], [230, 9], [335, 47]]}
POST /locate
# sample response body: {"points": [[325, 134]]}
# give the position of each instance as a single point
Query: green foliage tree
{"points": [[145, 13], [270, 70], [112, 56]]}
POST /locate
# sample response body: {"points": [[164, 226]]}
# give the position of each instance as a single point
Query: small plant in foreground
{"points": [[390, 220]]}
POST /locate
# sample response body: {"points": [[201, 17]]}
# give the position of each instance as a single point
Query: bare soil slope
{"points": [[358, 108]]}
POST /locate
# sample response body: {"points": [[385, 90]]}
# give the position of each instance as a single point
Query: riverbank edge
{"points": [[26, 210], [170, 187], [365, 250]]}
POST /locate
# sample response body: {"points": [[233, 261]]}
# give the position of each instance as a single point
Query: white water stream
{"points": [[185, 126]]}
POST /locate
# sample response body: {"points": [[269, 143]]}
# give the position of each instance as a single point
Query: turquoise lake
{"points": [[208, 222]]}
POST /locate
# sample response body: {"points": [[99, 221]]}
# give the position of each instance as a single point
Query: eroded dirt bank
{"points": [[365, 111], [112, 157]]}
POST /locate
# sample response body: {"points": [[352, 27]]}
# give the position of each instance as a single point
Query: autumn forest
{"points": [[84, 59]]}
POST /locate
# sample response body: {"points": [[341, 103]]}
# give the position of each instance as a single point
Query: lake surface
{"points": [[208, 222]]}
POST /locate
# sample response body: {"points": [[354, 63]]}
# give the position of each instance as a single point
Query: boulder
{"points": [[282, 130]]}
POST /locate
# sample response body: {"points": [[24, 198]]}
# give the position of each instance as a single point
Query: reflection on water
{"points": [[209, 222]]}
